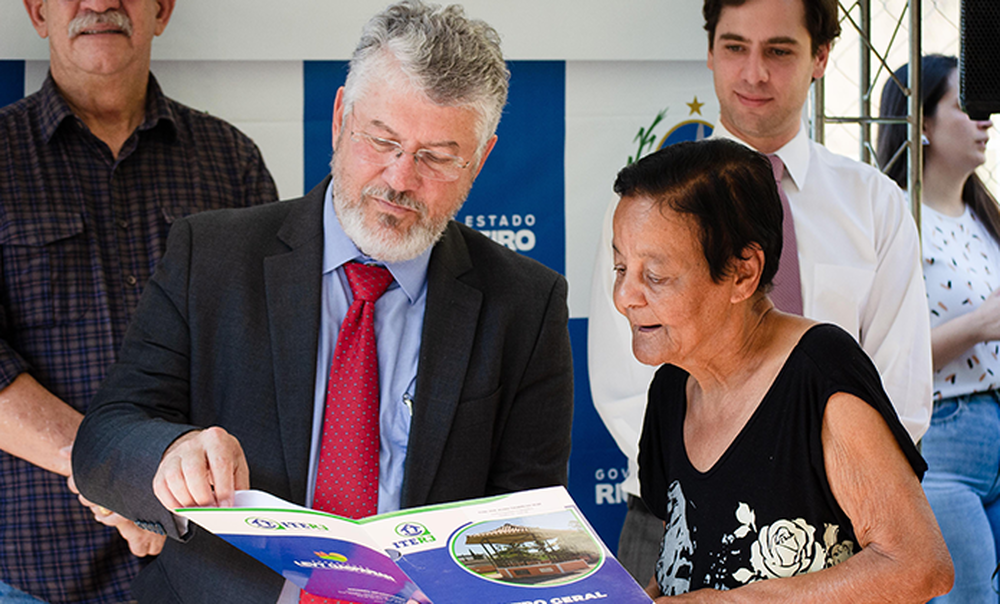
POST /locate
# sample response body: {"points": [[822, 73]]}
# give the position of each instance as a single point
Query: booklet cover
{"points": [[530, 547]]}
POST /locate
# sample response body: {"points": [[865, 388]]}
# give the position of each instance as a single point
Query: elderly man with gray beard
{"points": [[355, 350], [94, 167]]}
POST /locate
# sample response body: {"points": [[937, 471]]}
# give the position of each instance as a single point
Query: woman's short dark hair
{"points": [[727, 187], [935, 74]]}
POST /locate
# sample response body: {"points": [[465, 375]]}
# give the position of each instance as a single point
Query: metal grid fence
{"points": [[890, 37]]}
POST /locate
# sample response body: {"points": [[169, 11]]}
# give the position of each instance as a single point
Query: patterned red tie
{"points": [[787, 292], [347, 477]]}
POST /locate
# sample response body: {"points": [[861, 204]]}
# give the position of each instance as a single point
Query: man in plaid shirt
{"points": [[94, 168]]}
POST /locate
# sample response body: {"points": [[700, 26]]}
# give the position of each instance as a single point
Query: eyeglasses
{"points": [[430, 164]]}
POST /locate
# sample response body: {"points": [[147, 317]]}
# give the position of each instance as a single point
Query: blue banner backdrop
{"points": [[529, 217], [596, 466], [11, 81]]}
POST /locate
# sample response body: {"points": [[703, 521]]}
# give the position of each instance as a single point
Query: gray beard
{"points": [[387, 244]]}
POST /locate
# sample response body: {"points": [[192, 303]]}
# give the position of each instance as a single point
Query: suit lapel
{"points": [[292, 282], [445, 349]]}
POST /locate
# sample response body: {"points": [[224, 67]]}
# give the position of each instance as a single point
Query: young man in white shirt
{"points": [[857, 244]]}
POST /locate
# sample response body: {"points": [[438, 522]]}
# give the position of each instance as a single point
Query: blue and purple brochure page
{"points": [[324, 554], [531, 547]]}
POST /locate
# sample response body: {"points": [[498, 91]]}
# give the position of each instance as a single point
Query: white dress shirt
{"points": [[859, 264]]}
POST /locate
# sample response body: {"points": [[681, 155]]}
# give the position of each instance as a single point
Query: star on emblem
{"points": [[695, 106]]}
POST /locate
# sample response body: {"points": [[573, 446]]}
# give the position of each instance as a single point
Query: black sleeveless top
{"points": [[765, 509]]}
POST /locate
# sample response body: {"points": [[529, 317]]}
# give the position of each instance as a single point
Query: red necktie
{"points": [[787, 292], [347, 477]]}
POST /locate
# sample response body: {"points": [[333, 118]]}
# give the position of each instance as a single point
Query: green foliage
{"points": [[646, 138]]}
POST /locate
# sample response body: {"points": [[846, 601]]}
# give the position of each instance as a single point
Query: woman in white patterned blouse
{"points": [[960, 229]]}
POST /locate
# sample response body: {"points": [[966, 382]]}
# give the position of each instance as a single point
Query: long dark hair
{"points": [[935, 70]]}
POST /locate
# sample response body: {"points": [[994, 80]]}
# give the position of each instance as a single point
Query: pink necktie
{"points": [[787, 292], [347, 478]]}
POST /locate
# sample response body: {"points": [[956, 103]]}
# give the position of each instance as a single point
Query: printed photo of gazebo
{"points": [[545, 549]]}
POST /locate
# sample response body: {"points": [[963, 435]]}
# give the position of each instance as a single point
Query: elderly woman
{"points": [[769, 448]]}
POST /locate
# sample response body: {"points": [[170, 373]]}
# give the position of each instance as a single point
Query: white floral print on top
{"points": [[961, 265], [784, 548], [787, 548], [673, 568]]}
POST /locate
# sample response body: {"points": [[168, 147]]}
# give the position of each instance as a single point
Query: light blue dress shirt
{"points": [[399, 319]]}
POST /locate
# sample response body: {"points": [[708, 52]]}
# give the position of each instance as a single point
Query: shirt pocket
{"points": [[47, 269]]}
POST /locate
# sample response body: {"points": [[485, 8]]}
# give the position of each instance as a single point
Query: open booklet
{"points": [[530, 547]]}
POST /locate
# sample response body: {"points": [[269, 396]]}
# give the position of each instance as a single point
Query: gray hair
{"points": [[454, 60]]}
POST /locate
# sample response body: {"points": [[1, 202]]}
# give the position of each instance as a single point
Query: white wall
{"points": [[258, 30]]}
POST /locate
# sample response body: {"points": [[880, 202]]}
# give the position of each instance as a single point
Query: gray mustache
{"points": [[394, 196], [88, 19]]}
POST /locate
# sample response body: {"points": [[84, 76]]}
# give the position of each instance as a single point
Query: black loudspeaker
{"points": [[979, 63]]}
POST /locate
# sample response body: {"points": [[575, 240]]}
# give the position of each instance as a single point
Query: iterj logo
{"points": [[411, 529], [264, 523], [273, 525], [413, 533]]}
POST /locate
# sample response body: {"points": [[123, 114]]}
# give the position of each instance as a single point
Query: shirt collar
{"points": [[795, 154], [338, 249], [55, 110], [158, 109]]}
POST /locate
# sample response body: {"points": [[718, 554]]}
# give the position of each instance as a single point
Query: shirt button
{"points": [[123, 223], [131, 280]]}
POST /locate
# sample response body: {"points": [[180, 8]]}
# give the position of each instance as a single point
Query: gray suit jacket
{"points": [[226, 334]]}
